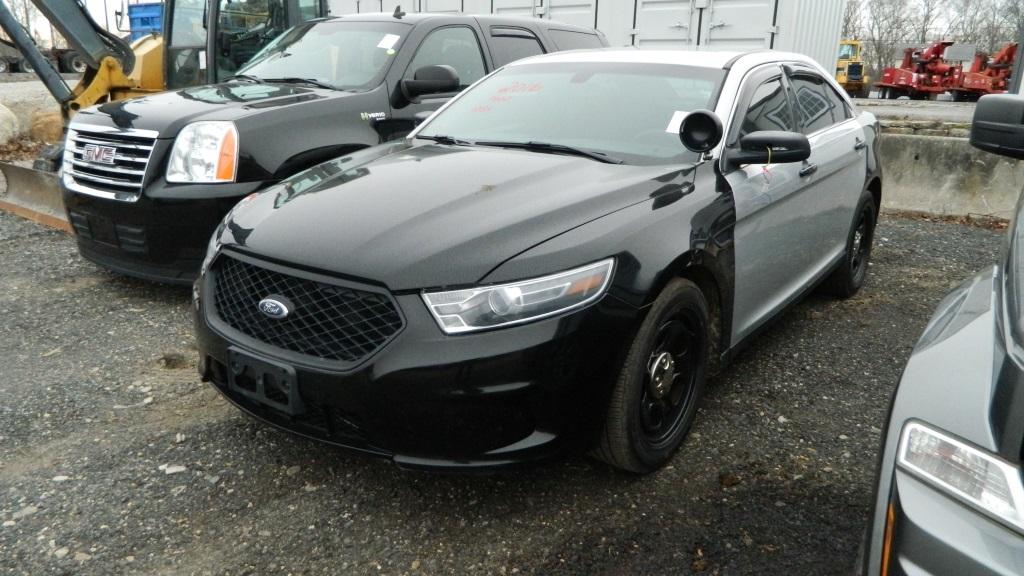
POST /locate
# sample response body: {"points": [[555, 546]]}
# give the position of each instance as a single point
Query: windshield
{"points": [[626, 110], [847, 51], [347, 55]]}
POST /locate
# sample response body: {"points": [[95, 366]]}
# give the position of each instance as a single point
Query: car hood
{"points": [[168, 112], [433, 216]]}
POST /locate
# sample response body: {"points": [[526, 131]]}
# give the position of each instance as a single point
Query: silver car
{"points": [[950, 499]]}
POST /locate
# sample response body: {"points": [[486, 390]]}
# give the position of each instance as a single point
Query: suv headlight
{"points": [[204, 152], [505, 304], [974, 476]]}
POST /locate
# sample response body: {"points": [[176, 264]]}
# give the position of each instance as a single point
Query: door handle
{"points": [[808, 170], [860, 145]]}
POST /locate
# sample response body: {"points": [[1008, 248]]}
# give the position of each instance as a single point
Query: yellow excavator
{"points": [[202, 41], [850, 71]]}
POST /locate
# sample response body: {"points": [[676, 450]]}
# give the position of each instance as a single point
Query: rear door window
{"points": [[511, 44], [569, 40]]}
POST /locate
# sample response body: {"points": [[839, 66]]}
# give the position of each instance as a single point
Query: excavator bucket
{"points": [[33, 194]]}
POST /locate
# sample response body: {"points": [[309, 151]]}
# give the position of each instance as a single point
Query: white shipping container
{"points": [[811, 27]]}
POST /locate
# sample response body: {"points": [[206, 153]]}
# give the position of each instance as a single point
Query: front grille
{"points": [[855, 71], [329, 321], [119, 175]]}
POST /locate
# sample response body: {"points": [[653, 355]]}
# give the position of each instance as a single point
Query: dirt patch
{"points": [[23, 149]]}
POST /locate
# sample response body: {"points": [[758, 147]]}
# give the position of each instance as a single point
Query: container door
{"points": [[664, 23], [513, 7], [578, 12], [441, 6], [737, 24]]}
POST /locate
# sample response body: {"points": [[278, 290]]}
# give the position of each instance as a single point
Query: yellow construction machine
{"points": [[850, 71], [202, 41]]}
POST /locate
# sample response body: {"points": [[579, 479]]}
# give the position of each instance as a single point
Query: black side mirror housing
{"points": [[435, 79], [700, 131], [998, 125], [771, 147]]}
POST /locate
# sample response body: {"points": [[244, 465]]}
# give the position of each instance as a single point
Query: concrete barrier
{"points": [[948, 177]]}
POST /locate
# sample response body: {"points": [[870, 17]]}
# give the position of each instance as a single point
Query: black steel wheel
{"points": [[654, 401], [848, 278]]}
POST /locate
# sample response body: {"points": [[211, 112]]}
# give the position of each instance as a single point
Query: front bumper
{"points": [[158, 239], [427, 400]]}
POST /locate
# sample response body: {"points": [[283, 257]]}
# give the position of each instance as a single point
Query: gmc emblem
{"points": [[101, 154]]}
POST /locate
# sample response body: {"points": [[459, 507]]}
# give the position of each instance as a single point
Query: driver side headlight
{"points": [[518, 302], [204, 152], [962, 471]]}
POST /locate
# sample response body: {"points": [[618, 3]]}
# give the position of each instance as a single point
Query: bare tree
{"points": [[853, 19], [926, 18], [888, 26]]}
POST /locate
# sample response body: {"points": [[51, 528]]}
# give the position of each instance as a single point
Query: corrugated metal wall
{"points": [[811, 27]]}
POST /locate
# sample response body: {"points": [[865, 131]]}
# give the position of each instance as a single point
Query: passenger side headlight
{"points": [[976, 477], [204, 152], [506, 304]]}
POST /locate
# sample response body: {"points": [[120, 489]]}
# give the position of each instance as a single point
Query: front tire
{"points": [[846, 280], [654, 401]]}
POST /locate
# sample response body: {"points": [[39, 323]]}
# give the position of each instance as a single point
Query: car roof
{"points": [[720, 59], [484, 19]]}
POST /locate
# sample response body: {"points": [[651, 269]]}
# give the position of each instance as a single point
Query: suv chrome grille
{"points": [[106, 162], [334, 322]]}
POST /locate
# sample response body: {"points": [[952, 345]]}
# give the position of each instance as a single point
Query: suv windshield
{"points": [[346, 55], [627, 111]]}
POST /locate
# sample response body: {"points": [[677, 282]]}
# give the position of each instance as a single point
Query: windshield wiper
{"points": [[249, 77], [556, 148], [293, 80], [444, 139]]}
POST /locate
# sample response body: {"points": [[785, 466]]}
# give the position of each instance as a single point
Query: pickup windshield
{"points": [[345, 55], [624, 111]]}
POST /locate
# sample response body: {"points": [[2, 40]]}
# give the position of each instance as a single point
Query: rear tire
{"points": [[848, 278], [654, 401]]}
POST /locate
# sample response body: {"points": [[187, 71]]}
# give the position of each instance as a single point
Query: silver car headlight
{"points": [[204, 152], [487, 307], [974, 476]]}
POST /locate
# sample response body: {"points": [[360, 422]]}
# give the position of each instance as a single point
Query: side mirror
{"points": [[700, 131], [771, 146], [430, 80], [998, 125]]}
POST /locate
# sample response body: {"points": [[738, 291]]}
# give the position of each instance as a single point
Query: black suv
{"points": [[146, 180]]}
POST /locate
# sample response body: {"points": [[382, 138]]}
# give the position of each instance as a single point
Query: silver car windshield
{"points": [[625, 110], [346, 55]]}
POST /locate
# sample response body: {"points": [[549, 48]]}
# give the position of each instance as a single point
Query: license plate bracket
{"points": [[265, 381]]}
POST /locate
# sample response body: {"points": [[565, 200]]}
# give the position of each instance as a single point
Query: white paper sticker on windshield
{"points": [[388, 41], [673, 124]]}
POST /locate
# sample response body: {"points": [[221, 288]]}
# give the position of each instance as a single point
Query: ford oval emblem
{"points": [[274, 307]]}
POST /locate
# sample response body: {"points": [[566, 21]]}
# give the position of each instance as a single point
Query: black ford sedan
{"points": [[557, 259]]}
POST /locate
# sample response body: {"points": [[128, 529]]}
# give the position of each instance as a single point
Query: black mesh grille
{"points": [[328, 321]]}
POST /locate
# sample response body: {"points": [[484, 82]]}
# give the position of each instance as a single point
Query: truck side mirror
{"points": [[700, 131], [998, 125], [771, 147], [435, 79]]}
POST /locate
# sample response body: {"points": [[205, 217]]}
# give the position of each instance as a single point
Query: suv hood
{"points": [[168, 112], [432, 215]]}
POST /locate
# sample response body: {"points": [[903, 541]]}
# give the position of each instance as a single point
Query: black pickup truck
{"points": [[147, 180]]}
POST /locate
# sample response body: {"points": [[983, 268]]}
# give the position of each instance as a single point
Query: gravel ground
{"points": [[115, 459]]}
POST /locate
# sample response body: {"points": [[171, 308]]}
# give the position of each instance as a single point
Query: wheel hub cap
{"points": [[662, 372]]}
